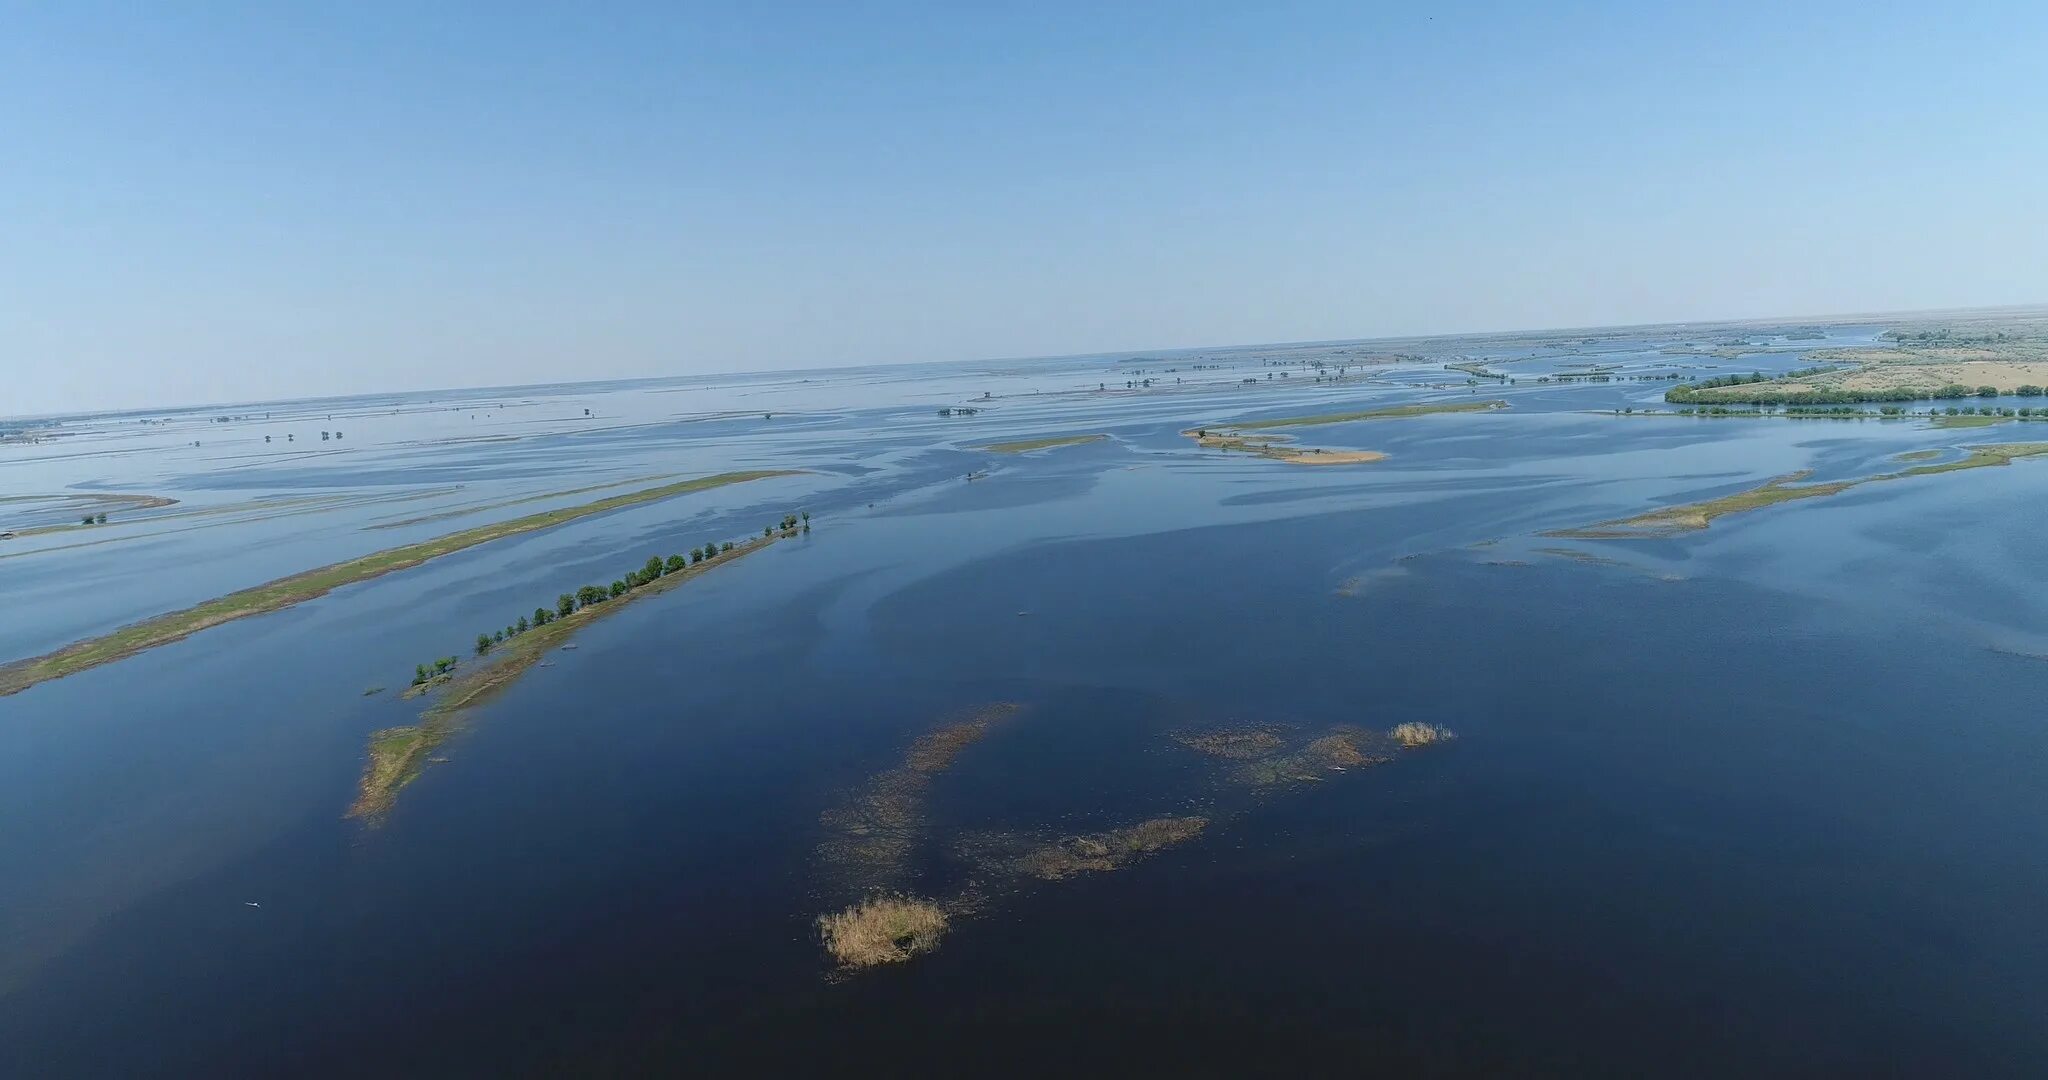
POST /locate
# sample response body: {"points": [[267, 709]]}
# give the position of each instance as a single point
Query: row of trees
{"points": [[654, 569], [1767, 409], [422, 673]]}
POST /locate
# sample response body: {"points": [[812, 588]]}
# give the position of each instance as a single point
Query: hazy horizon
{"points": [[1535, 331], [218, 207]]}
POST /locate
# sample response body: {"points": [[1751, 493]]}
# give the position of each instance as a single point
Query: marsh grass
{"points": [[882, 930], [1412, 735]]}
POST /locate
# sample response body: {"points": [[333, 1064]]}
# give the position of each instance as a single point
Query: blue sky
{"points": [[203, 202]]}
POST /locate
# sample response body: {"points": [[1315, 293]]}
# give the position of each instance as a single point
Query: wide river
{"points": [[1766, 797]]}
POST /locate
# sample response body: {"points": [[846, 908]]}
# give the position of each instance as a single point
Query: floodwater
{"points": [[1764, 797]]}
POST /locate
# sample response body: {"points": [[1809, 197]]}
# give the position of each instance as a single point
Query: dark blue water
{"points": [[1760, 799]]}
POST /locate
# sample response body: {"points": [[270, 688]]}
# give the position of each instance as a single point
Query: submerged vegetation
{"points": [[1104, 851], [298, 588], [871, 836], [1236, 745], [872, 839]]}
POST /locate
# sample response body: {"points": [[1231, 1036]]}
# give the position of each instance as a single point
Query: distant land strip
{"points": [[1388, 412], [1693, 516], [1025, 446], [307, 585], [478, 508]]}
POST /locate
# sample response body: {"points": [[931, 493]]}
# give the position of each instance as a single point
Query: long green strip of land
{"points": [[1388, 412], [298, 588], [398, 755]]}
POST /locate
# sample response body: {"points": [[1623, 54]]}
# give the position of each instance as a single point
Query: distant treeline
{"points": [[1768, 393]]}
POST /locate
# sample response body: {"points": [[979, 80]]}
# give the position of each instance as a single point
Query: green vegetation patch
{"points": [[1917, 455], [1025, 446], [298, 588]]}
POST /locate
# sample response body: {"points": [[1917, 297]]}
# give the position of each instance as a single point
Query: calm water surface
{"points": [[1763, 798]]}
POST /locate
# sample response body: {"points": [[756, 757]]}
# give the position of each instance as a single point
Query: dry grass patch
{"points": [[882, 930], [1411, 735]]}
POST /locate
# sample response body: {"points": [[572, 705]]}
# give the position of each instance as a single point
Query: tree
{"points": [[588, 595], [442, 666], [1987, 391], [483, 644], [419, 674], [2028, 390], [541, 616], [696, 555], [675, 563], [807, 517], [564, 604], [99, 519], [499, 637], [86, 520], [769, 530], [711, 550], [727, 547], [652, 570], [618, 588], [521, 626]]}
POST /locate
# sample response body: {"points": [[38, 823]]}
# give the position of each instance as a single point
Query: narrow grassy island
{"points": [[1693, 516], [298, 588], [1387, 412], [1232, 437], [396, 756], [1025, 446]]}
